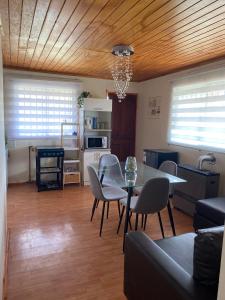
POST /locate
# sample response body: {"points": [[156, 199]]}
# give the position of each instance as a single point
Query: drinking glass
{"points": [[130, 178], [131, 164]]}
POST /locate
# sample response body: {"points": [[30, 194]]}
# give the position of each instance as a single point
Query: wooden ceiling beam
{"points": [[76, 36]]}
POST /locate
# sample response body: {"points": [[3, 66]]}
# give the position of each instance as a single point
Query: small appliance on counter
{"points": [[100, 142], [209, 158]]}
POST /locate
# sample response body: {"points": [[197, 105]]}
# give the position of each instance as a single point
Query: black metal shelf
{"points": [[50, 170], [57, 154]]}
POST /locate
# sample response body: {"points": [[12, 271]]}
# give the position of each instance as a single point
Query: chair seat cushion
{"points": [[113, 193], [132, 202], [180, 248], [212, 209]]}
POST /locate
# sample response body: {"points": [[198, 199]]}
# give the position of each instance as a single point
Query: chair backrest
{"points": [[169, 167], [153, 197], [112, 165], [95, 184]]}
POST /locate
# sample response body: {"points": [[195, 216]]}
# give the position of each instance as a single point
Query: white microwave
{"points": [[96, 142]]}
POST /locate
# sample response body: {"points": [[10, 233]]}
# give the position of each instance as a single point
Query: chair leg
{"points": [[136, 222], [121, 218], [97, 203], [93, 208], [145, 221], [161, 225], [142, 220], [118, 203], [171, 217], [102, 219], [107, 215]]}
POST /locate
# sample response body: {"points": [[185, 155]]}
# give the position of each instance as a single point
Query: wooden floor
{"points": [[55, 251]]}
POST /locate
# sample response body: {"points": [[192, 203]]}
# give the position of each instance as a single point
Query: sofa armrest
{"points": [[149, 273]]}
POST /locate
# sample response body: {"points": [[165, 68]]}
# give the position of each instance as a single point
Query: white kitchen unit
{"points": [[90, 157], [96, 104], [97, 119], [97, 125]]}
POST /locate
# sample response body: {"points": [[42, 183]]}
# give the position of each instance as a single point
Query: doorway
{"points": [[123, 125]]}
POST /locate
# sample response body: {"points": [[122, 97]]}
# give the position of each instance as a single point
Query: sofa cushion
{"points": [[212, 209], [182, 244], [207, 255]]}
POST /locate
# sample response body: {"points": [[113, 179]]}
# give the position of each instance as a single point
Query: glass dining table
{"points": [[111, 175]]}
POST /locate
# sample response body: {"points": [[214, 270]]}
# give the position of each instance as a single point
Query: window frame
{"points": [[210, 76], [35, 83]]}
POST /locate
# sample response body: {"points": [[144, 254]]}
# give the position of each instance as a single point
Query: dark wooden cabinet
{"points": [[200, 184], [123, 125], [154, 157]]}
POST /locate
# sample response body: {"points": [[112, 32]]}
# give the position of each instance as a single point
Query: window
{"points": [[197, 117], [36, 108]]}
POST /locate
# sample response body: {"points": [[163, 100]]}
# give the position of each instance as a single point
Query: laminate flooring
{"points": [[55, 252]]}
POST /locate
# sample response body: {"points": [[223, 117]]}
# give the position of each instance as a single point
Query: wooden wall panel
{"points": [[65, 34], [76, 36], [87, 20], [65, 16], [55, 9], [5, 23], [26, 24], [15, 7], [116, 21], [38, 20]]}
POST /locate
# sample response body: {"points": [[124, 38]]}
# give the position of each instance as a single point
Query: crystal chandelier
{"points": [[122, 69]]}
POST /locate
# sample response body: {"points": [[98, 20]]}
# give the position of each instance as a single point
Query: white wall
{"points": [[152, 133], [18, 164], [2, 180]]}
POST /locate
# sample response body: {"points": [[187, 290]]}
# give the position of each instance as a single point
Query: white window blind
{"points": [[197, 116], [35, 108]]}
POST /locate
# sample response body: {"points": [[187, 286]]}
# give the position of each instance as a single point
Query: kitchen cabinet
{"points": [[90, 157]]}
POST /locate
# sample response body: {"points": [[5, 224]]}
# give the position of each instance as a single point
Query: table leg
{"points": [[130, 193]]}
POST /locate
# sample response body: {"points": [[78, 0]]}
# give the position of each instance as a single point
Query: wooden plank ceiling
{"points": [[76, 36]]}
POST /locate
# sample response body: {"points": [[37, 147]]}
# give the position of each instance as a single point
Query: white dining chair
{"points": [[108, 169], [152, 199], [104, 194], [169, 167]]}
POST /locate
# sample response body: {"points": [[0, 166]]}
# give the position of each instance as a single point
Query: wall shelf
{"points": [[71, 148], [72, 157], [100, 130], [70, 137], [71, 161]]}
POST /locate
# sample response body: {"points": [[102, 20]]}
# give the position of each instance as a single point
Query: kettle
{"points": [[209, 157]]}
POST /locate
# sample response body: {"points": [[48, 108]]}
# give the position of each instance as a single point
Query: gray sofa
{"points": [[158, 270], [209, 213]]}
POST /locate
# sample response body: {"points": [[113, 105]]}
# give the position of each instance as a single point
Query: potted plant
{"points": [[80, 99]]}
